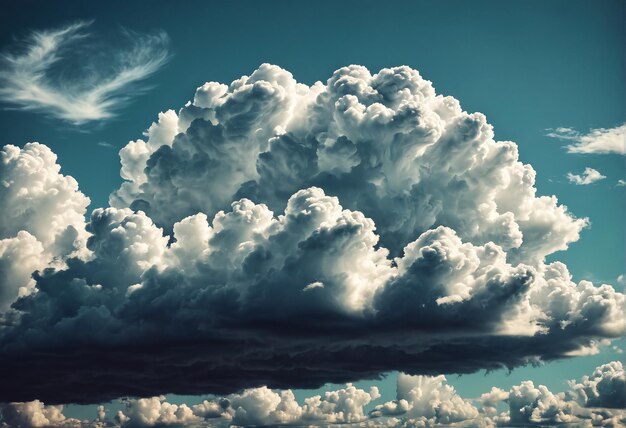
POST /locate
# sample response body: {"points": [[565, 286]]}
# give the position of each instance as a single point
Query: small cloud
{"points": [[313, 286], [598, 140], [588, 176], [45, 77], [105, 144], [621, 182], [563, 133]]}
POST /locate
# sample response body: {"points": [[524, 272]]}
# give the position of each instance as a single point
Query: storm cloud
{"points": [[275, 234]]}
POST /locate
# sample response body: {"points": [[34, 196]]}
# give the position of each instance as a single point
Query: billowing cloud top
{"points": [[272, 233]]}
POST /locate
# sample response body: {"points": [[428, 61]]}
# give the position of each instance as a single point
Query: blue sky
{"points": [[528, 66]]}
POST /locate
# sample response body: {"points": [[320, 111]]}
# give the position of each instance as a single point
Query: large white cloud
{"points": [[271, 233], [42, 220], [385, 144]]}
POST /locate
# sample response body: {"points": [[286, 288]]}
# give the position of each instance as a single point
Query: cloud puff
{"points": [[599, 140], [598, 400], [589, 176], [263, 406], [42, 222], [35, 414], [606, 387], [537, 405], [427, 401], [271, 234], [31, 80], [421, 401]]}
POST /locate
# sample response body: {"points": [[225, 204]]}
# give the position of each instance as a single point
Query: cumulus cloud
{"points": [[30, 78], [598, 400], [427, 401], [271, 234], [599, 140], [606, 387], [42, 222], [421, 401], [149, 412], [35, 414], [537, 405], [262, 406], [589, 176], [385, 144]]}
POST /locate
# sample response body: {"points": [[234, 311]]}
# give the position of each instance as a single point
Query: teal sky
{"points": [[527, 66]]}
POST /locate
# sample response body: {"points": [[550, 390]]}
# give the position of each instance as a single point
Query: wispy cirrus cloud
{"points": [[101, 80], [598, 140]]}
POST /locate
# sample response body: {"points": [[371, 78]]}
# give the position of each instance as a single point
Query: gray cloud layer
{"points": [[29, 80], [271, 233]]}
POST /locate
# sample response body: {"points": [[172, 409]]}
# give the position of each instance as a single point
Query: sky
{"points": [[548, 76]]}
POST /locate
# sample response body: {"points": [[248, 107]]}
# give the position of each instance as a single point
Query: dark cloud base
{"points": [[597, 399], [88, 375]]}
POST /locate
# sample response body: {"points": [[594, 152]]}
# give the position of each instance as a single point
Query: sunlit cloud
{"points": [[101, 81], [421, 401]]}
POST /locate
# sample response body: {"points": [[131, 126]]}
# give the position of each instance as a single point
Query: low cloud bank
{"points": [[422, 401]]}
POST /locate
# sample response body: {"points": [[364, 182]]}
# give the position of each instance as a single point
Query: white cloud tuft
{"points": [[427, 401], [29, 80], [32, 414], [599, 140], [589, 176]]}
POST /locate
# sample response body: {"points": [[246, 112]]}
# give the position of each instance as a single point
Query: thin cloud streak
{"points": [[596, 141], [26, 80]]}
